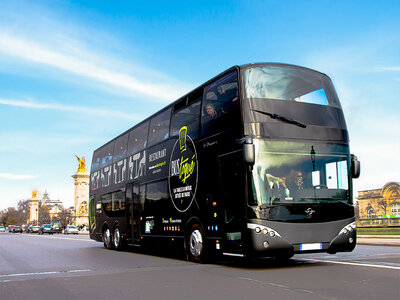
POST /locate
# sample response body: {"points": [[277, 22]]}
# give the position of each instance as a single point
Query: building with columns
{"points": [[81, 181], [53, 206], [379, 207]]}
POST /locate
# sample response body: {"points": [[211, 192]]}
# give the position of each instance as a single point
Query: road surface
{"points": [[75, 267]]}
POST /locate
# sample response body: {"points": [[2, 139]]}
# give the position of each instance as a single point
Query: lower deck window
{"points": [[114, 202]]}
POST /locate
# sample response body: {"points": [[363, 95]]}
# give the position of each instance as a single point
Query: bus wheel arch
{"points": [[195, 241], [107, 236]]}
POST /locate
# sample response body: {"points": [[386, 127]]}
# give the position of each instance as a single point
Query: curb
{"points": [[379, 240]]}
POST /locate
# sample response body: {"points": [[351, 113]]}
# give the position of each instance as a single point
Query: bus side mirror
{"points": [[355, 166], [249, 152]]}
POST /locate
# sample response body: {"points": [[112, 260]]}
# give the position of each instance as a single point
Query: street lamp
{"points": [[37, 216]]}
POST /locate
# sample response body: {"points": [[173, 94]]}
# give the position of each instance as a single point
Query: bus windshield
{"points": [[300, 172], [289, 84]]}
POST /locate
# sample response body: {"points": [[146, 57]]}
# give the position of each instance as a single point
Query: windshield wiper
{"points": [[281, 118]]}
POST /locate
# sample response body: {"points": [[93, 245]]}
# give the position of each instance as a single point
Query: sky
{"points": [[75, 74]]}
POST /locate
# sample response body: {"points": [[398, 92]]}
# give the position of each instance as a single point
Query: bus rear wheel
{"points": [[107, 238], [117, 241], [195, 244]]}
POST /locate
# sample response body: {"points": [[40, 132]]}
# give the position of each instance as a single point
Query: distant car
{"points": [[17, 228], [35, 229], [46, 228], [2, 229], [71, 229], [11, 228], [57, 229]]}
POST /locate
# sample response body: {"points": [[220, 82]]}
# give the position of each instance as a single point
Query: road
{"points": [[74, 267]]}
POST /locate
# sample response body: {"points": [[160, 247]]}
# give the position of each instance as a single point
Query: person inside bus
{"points": [[276, 186], [296, 181], [211, 111]]}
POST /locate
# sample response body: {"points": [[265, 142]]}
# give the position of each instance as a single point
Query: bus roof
{"points": [[235, 67]]}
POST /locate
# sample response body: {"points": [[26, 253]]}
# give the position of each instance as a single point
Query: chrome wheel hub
{"points": [[116, 238], [196, 243], [107, 237]]}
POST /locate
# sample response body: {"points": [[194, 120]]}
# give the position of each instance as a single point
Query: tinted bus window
{"points": [[220, 99], [107, 154], [96, 161], [138, 138], [106, 202], [113, 202], [289, 84], [156, 197], [159, 127], [189, 117], [118, 201], [222, 94], [120, 148]]}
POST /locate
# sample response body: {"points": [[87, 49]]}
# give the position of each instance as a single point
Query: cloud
{"points": [[81, 63], [385, 69], [16, 177], [70, 108]]}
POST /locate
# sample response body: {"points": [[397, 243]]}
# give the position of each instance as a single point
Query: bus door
{"points": [[136, 211], [128, 202], [232, 194]]}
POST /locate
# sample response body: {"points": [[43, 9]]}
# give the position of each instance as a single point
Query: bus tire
{"points": [[107, 240], [117, 241], [195, 244]]}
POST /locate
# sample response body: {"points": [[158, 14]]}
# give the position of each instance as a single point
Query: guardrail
{"points": [[379, 222]]}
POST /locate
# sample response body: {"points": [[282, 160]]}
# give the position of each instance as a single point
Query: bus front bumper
{"points": [[285, 239]]}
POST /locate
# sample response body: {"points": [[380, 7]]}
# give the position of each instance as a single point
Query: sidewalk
{"points": [[381, 240]]}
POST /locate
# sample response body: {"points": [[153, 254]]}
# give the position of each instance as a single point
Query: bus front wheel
{"points": [[107, 238], [195, 244]]}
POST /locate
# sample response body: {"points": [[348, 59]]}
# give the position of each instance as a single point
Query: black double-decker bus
{"points": [[253, 163]]}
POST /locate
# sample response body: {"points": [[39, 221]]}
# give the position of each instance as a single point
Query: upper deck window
{"points": [[159, 127], [138, 138], [95, 161], [120, 147], [289, 84], [189, 117], [221, 99], [221, 94], [107, 154]]}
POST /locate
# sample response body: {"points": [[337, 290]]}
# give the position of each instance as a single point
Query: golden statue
{"points": [[34, 192], [82, 164]]}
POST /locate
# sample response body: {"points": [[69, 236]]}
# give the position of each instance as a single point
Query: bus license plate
{"points": [[314, 246]]}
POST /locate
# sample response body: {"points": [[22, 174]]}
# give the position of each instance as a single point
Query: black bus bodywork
{"points": [[255, 162]]}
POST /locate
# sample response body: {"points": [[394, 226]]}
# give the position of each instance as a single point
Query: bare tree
{"points": [[383, 205], [23, 211], [65, 217], [44, 216], [3, 217], [12, 217], [357, 211]]}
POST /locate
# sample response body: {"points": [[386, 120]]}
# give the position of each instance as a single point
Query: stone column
{"points": [[34, 208], [81, 180]]}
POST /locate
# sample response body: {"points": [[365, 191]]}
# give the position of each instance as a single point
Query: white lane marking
{"points": [[61, 238], [350, 263], [44, 273]]}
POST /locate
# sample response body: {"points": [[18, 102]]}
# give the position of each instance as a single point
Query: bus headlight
{"points": [[263, 229], [348, 228]]}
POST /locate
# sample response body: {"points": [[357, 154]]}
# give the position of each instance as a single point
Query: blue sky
{"points": [[74, 74]]}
